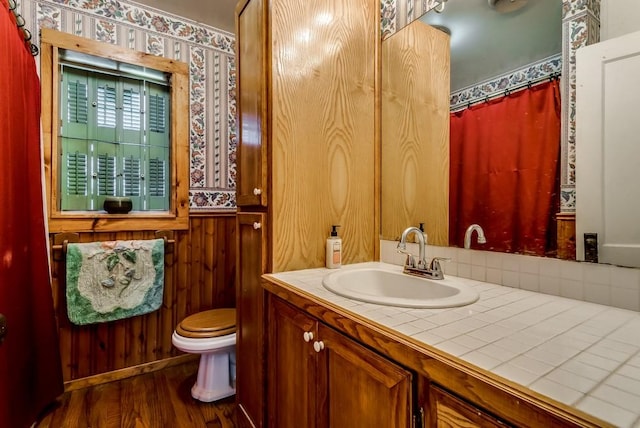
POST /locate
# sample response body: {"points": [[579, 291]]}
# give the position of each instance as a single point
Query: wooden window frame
{"points": [[177, 217]]}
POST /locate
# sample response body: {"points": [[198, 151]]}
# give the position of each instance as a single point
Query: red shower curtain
{"points": [[504, 171], [30, 370]]}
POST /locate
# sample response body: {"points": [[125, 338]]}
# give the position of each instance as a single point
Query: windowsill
{"points": [[102, 213], [101, 221]]}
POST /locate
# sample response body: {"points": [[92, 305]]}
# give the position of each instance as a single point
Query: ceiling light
{"points": [[439, 8], [507, 6], [442, 28]]}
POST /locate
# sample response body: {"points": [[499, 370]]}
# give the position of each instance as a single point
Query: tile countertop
{"points": [[581, 354]]}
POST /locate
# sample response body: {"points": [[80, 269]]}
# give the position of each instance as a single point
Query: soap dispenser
{"points": [[334, 249]]}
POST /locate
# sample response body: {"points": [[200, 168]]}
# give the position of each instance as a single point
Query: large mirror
{"points": [[487, 40]]}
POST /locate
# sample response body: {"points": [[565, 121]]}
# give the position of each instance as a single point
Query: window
{"points": [[110, 118], [114, 138]]}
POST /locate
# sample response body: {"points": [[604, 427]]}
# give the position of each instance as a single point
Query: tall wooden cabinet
{"points": [[307, 78], [251, 195]]}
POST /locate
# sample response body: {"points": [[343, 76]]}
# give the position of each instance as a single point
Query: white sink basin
{"points": [[387, 285]]}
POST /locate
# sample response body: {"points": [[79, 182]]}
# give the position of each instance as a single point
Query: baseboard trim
{"points": [[120, 374]]}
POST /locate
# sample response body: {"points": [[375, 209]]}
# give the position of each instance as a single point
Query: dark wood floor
{"points": [[153, 400]]}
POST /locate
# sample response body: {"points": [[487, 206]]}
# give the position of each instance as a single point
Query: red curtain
{"points": [[504, 171], [30, 368]]}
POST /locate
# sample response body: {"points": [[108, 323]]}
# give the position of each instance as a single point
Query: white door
{"points": [[608, 149]]}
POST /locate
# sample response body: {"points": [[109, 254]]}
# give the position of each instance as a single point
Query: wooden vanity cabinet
{"points": [[320, 378], [291, 362], [362, 376], [444, 410]]}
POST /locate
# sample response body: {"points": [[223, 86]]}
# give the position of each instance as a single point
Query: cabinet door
{"points": [[292, 367], [251, 187], [448, 411], [250, 308], [358, 387]]}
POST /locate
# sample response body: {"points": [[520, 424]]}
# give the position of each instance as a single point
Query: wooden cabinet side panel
{"points": [[356, 384], [323, 129], [250, 308]]}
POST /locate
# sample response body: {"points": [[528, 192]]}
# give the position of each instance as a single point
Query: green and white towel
{"points": [[112, 280]]}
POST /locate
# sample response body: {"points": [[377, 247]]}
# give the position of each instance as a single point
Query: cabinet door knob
{"points": [[318, 346], [308, 336], [257, 225], [257, 191]]}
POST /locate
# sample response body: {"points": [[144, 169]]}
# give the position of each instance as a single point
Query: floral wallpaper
{"points": [[548, 67], [580, 27], [210, 54], [395, 14]]}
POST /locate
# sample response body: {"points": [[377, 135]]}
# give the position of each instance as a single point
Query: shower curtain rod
{"points": [[508, 91], [20, 23]]}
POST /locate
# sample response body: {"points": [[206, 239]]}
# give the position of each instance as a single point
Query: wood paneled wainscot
{"points": [[199, 275]]}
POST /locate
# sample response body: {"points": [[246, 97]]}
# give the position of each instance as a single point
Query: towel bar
{"points": [[61, 240]]}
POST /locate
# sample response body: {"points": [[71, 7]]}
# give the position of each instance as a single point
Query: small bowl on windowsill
{"points": [[117, 205]]}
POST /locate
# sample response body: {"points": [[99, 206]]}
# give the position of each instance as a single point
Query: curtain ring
{"points": [[12, 5], [27, 35], [20, 20]]}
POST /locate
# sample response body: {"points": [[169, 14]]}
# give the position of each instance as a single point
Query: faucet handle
{"points": [[410, 262], [435, 263]]}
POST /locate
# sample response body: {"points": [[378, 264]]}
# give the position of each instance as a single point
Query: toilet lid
{"points": [[211, 323]]}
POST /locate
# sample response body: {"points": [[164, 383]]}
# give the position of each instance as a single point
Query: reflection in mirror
{"points": [[487, 45], [504, 171], [415, 132]]}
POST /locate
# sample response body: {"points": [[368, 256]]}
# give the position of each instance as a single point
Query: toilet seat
{"points": [[208, 324], [199, 345], [212, 334]]}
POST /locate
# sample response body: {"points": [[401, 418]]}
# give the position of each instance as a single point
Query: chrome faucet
{"points": [[469, 232], [422, 242], [419, 268]]}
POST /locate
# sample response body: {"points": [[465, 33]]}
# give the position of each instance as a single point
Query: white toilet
{"points": [[212, 334]]}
